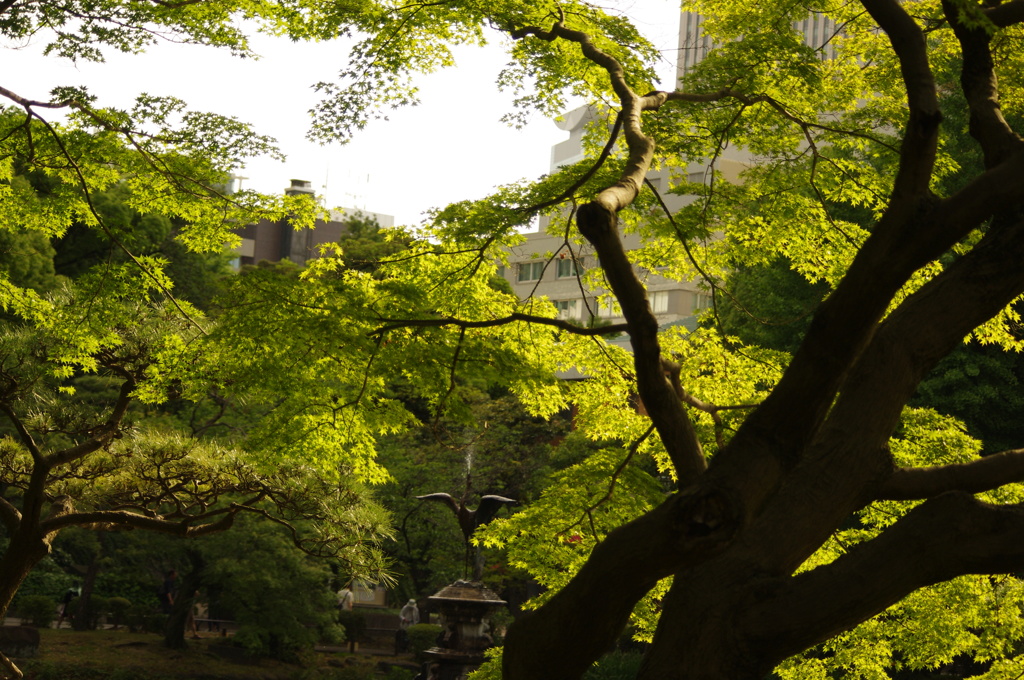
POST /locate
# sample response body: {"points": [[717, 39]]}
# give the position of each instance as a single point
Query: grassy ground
{"points": [[119, 655]]}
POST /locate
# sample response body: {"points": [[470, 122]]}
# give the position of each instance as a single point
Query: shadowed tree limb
{"points": [[948, 536], [9, 515], [975, 476], [1006, 14], [561, 324], [123, 519], [105, 433], [591, 610], [23, 434], [978, 82]]}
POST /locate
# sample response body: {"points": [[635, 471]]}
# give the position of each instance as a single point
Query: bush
{"points": [[616, 666], [96, 609], [354, 623], [422, 636], [143, 619], [118, 608], [38, 610]]}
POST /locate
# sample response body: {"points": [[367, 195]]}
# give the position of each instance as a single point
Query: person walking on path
{"points": [[65, 604]]}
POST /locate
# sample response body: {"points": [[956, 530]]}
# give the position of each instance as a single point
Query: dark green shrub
{"points": [[135, 617], [95, 610], [118, 608], [422, 636], [616, 666], [354, 623], [37, 610], [282, 606]]}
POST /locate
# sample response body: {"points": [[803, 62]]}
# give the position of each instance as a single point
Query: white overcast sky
{"points": [[450, 147]]}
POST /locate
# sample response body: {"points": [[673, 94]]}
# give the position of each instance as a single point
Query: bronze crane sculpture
{"points": [[470, 520]]}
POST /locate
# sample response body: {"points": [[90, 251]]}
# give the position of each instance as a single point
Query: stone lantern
{"points": [[464, 608]]}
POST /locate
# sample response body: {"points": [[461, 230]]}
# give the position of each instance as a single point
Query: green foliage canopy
{"points": [[737, 514]]}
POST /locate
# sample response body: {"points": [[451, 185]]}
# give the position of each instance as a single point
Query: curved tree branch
{"points": [[613, 136], [917, 154], [976, 476], [978, 81], [23, 434], [394, 324], [104, 433], [588, 614], [947, 536], [123, 519], [1006, 14], [10, 516]]}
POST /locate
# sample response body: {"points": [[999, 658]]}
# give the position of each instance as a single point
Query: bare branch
{"points": [[673, 369], [976, 476], [13, 670]]}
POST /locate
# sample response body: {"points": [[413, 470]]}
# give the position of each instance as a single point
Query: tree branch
{"points": [[597, 222], [104, 433], [588, 614], [976, 476], [12, 669], [568, 193], [394, 324], [10, 516], [1006, 14], [917, 154], [849, 462], [23, 433], [948, 536], [122, 519], [978, 81], [907, 238]]}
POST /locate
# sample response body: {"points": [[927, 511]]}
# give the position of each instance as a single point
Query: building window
{"points": [[608, 309], [567, 309], [567, 268], [529, 271], [659, 302], [501, 271], [701, 301]]}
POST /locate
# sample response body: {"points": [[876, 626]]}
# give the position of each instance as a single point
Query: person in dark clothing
{"points": [[65, 604], [166, 592]]}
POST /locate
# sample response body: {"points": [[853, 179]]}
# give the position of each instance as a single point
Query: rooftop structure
{"points": [[274, 241]]}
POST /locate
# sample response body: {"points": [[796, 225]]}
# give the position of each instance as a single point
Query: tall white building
{"points": [[545, 266]]}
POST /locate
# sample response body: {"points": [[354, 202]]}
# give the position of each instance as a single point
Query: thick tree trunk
{"points": [[82, 620], [22, 554]]}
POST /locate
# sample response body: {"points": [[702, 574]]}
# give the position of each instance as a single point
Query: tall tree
{"points": [[808, 498], [805, 497]]}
